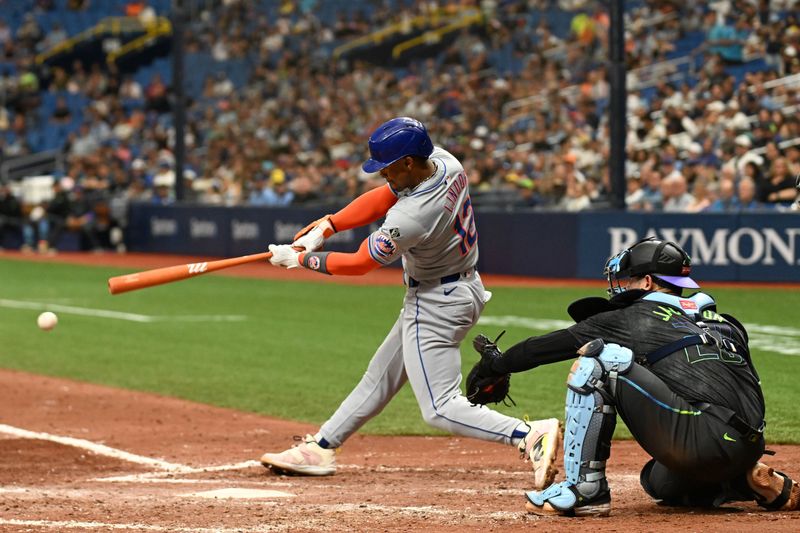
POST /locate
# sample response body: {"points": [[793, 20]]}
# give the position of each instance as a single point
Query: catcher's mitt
{"points": [[483, 385]]}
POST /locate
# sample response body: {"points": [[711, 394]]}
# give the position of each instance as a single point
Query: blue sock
{"points": [[323, 444], [518, 434]]}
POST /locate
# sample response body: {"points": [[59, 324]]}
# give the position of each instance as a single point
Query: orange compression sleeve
{"points": [[345, 264], [365, 209]]}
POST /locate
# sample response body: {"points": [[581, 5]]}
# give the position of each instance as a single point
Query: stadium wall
{"points": [[734, 247]]}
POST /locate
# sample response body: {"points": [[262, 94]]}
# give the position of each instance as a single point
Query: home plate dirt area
{"points": [[81, 457]]}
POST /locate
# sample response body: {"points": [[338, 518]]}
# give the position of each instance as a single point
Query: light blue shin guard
{"points": [[590, 423], [560, 495]]}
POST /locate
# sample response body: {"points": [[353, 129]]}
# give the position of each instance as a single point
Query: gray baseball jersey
{"points": [[432, 227]]}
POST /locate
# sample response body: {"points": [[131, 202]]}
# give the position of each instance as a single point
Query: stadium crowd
{"points": [[294, 134]]}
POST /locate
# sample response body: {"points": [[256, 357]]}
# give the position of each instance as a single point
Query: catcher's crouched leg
{"points": [[590, 423]]}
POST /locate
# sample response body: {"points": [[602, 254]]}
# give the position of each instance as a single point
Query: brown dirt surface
{"points": [[84, 457], [49, 483]]}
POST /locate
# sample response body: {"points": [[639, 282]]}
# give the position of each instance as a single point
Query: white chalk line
{"points": [[166, 468], [116, 315], [778, 339], [99, 449], [156, 477]]}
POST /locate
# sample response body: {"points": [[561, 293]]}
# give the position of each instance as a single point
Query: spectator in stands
{"points": [[726, 200], [704, 195], [634, 194], [156, 95], [54, 37], [164, 173], [743, 155], [12, 218], [779, 186], [29, 33], [5, 33], [61, 113], [267, 118], [130, 89], [753, 171], [163, 189], [790, 63], [651, 189], [746, 192], [527, 193], [70, 210], [83, 143], [726, 37], [674, 191], [273, 192], [792, 156], [576, 198], [734, 119]]}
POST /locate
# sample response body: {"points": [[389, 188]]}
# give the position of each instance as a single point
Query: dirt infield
{"points": [[81, 457]]}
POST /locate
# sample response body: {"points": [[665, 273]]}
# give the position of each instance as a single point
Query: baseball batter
{"points": [[430, 224]]}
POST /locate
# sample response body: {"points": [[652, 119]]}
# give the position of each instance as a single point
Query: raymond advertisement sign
{"points": [[723, 247]]}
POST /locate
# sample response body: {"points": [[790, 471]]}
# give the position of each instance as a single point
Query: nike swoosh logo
{"points": [[726, 437], [448, 291], [538, 449]]}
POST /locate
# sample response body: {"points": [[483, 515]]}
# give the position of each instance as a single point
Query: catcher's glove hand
{"points": [[483, 384]]}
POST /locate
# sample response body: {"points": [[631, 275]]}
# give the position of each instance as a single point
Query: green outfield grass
{"points": [[294, 350]]}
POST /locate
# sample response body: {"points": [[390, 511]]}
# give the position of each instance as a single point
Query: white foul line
{"points": [[156, 477], [117, 315], [99, 449]]}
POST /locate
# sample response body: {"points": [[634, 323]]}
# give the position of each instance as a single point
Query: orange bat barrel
{"points": [[159, 276]]}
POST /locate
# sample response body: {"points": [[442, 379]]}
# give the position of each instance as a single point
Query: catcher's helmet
{"points": [[664, 260], [396, 139]]}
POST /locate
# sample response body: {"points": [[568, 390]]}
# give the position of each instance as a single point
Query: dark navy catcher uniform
{"points": [[677, 372], [698, 409]]}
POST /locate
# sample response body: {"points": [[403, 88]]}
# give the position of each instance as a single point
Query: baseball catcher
{"points": [[680, 376]]}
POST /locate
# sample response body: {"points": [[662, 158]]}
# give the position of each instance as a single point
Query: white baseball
{"points": [[47, 321]]}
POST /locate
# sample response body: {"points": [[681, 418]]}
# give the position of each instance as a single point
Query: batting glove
{"points": [[312, 237], [284, 255]]}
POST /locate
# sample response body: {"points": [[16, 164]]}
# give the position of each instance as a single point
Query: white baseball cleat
{"points": [[540, 446], [304, 459]]}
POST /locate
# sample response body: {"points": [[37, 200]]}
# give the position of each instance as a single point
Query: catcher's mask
{"points": [[664, 260]]}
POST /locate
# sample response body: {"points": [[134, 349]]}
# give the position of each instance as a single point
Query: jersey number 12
{"points": [[464, 226]]}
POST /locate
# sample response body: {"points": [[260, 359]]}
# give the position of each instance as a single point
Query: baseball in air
{"points": [[47, 321]]}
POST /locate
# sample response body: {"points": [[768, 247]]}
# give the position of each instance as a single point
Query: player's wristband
{"points": [[316, 261]]}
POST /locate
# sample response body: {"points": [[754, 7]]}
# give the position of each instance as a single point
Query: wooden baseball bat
{"points": [[159, 276]]}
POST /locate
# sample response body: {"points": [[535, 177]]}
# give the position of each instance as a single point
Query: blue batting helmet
{"points": [[396, 139]]}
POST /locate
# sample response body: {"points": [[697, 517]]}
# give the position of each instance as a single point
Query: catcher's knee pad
{"points": [[590, 414]]}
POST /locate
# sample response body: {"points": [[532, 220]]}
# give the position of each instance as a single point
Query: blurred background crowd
{"points": [[282, 96]]}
